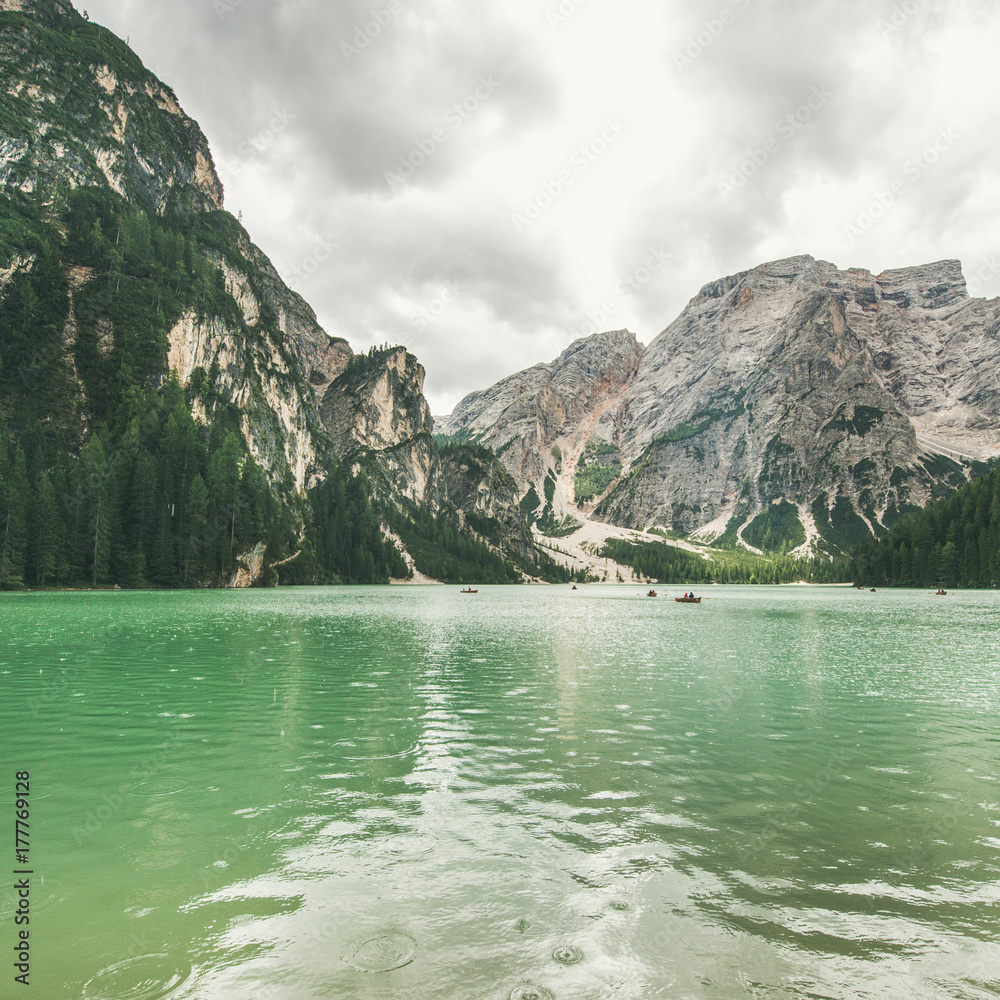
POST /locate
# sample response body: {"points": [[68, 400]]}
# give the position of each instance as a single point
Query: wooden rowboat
{"points": [[468, 590], [688, 600]]}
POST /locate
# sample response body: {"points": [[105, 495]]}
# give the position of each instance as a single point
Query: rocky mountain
{"points": [[191, 418], [61, 72], [788, 404]]}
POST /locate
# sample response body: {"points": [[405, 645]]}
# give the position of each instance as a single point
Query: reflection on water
{"points": [[391, 792]]}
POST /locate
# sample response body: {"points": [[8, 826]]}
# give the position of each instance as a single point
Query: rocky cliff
{"points": [[81, 109], [539, 421], [376, 416], [849, 396], [108, 174], [376, 408]]}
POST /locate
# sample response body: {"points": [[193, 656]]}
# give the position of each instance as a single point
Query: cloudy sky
{"points": [[486, 182]]}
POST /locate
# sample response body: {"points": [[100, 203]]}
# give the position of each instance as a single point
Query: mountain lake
{"points": [[529, 792]]}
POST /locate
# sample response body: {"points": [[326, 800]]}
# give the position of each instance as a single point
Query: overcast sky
{"points": [[486, 182]]}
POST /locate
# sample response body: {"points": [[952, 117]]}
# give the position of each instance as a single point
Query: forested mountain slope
{"points": [[160, 386]]}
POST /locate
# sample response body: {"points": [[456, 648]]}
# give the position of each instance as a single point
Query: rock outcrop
{"points": [[83, 110], [854, 397], [376, 408], [539, 420], [130, 271], [487, 498]]}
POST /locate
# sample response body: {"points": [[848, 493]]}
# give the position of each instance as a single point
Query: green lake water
{"points": [[529, 792]]}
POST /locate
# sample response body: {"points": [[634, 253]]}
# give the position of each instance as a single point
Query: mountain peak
{"points": [[126, 129], [933, 286]]}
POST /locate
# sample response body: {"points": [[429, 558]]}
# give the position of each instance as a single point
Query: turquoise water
{"points": [[529, 792]]}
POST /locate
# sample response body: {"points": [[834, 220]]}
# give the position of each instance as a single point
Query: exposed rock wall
{"points": [[133, 134], [377, 407], [487, 498], [797, 379], [541, 419], [793, 381]]}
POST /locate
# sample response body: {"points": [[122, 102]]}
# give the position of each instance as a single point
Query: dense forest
{"points": [[954, 543], [663, 563]]}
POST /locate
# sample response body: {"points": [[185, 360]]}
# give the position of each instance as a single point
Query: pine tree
{"points": [[45, 530], [196, 513], [13, 519]]}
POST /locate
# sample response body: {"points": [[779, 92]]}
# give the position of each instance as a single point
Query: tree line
{"points": [[670, 565], [953, 543]]}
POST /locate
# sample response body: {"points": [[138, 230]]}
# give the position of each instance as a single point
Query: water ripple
{"points": [[147, 977], [381, 951]]}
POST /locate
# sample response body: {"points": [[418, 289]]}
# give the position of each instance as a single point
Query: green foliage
{"points": [[345, 534], [153, 499], [842, 528], [549, 487], [60, 52], [670, 565], [777, 529], [556, 527], [137, 273], [443, 550], [464, 435], [940, 467], [728, 407], [361, 365], [953, 542], [730, 538], [530, 503], [863, 420], [599, 466]]}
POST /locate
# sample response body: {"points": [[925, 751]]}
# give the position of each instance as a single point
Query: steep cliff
{"points": [[81, 109], [376, 409], [848, 397], [377, 418], [115, 229]]}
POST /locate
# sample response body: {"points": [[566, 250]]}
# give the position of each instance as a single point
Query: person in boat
{"points": [[686, 595], [691, 596]]}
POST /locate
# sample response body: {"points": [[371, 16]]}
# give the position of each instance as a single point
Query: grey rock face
{"points": [[558, 405], [375, 413], [486, 496], [128, 130], [376, 407], [846, 393]]}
